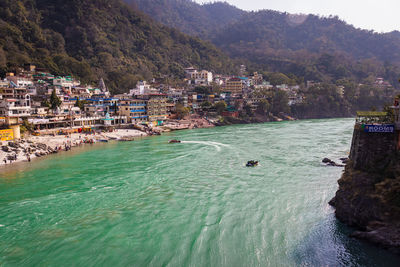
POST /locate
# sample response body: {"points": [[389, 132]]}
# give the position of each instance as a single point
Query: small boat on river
{"points": [[173, 141], [251, 163]]}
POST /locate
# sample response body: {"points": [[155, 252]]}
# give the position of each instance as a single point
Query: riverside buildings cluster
{"points": [[25, 98]]}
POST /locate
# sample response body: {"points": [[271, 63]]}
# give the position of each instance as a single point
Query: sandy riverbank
{"points": [[39, 146]]}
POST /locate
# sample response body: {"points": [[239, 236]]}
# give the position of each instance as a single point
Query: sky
{"points": [[377, 15]]}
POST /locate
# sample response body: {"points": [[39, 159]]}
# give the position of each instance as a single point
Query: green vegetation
{"points": [[99, 38], [181, 111], [263, 107], [55, 101], [220, 106], [285, 48], [80, 104], [188, 16]]}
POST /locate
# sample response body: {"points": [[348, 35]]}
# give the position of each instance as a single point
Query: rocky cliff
{"points": [[368, 198]]}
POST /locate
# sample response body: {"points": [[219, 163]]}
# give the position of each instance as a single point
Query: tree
{"points": [[278, 78], [220, 106], [280, 102], [263, 107], [248, 110], [204, 90], [45, 103], [55, 101], [181, 111], [80, 104], [206, 104]]}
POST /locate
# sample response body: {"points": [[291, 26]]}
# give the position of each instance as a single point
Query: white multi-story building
{"points": [[64, 82], [199, 77], [19, 81], [142, 88], [13, 107]]}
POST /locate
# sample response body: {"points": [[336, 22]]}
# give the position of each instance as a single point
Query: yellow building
{"points": [[157, 107], [234, 86]]}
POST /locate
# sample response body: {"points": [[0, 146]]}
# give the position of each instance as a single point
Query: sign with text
{"points": [[6, 135], [380, 128]]}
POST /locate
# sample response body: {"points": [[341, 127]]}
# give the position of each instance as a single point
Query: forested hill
{"points": [[98, 38], [312, 47], [188, 16]]}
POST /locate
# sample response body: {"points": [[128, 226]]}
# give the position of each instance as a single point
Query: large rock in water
{"points": [[368, 197]]}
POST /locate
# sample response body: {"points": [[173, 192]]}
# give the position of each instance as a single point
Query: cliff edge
{"points": [[368, 197]]}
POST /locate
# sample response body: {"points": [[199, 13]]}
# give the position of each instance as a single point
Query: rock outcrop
{"points": [[368, 198]]}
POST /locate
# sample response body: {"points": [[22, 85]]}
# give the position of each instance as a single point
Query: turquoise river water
{"points": [[150, 203]]}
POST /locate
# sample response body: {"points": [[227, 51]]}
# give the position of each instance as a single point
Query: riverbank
{"points": [[32, 147]]}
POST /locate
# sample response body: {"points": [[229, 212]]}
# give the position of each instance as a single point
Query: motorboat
{"points": [[251, 163], [173, 141]]}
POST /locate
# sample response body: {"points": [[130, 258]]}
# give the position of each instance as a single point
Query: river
{"points": [[150, 203]]}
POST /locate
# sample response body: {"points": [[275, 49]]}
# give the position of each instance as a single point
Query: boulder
{"points": [[41, 146], [334, 164], [13, 144], [345, 160], [326, 160]]}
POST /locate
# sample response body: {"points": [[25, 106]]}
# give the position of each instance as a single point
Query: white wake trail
{"points": [[207, 143]]}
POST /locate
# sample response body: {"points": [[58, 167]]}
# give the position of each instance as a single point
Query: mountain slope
{"points": [[312, 47], [98, 38], [188, 16], [276, 30]]}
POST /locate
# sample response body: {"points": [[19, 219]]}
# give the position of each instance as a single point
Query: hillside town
{"points": [[36, 101], [47, 103]]}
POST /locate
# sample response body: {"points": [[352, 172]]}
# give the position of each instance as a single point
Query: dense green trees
{"points": [[301, 47], [280, 102], [93, 39]]}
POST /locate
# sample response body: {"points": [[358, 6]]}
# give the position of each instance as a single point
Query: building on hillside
{"points": [[340, 90], [189, 72], [4, 83], [64, 82], [100, 106], [68, 108], [19, 81], [133, 109], [142, 88], [15, 107], [156, 107], [196, 77], [264, 86], [242, 70], [234, 86], [256, 79]]}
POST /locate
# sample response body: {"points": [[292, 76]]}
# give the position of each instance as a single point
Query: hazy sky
{"points": [[378, 15]]}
